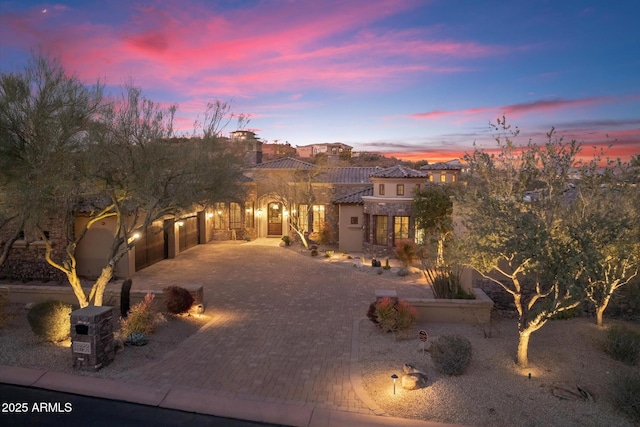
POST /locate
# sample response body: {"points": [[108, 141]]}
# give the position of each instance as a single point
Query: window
{"points": [[218, 211], [248, 217], [318, 217], [235, 216], [303, 218], [400, 227], [381, 227], [381, 189], [354, 220], [453, 178], [400, 189], [430, 178], [443, 177]]}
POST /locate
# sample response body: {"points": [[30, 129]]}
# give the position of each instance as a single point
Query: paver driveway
{"points": [[281, 327]]}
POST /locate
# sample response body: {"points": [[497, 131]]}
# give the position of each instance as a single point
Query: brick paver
{"points": [[280, 329]]}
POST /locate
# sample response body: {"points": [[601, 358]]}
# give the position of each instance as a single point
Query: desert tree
{"points": [[433, 210], [45, 116], [513, 208], [295, 189], [606, 227]]}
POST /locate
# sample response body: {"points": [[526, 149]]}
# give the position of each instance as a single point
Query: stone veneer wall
{"points": [[26, 260], [390, 209]]}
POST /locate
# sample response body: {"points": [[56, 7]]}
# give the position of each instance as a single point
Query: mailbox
{"points": [[92, 345]]}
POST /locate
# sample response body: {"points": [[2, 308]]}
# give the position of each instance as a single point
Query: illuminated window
{"points": [[381, 189], [318, 217], [453, 178], [443, 177], [400, 189], [218, 212], [401, 227], [381, 227], [430, 178], [303, 218], [235, 216]]}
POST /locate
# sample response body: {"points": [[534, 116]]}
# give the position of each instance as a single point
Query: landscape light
{"points": [[395, 377]]}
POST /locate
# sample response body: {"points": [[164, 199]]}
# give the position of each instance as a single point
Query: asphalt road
{"points": [[25, 406]]}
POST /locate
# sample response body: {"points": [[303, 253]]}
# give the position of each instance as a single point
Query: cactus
{"points": [[125, 299]]}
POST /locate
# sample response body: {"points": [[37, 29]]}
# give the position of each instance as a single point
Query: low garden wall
{"points": [[24, 294], [474, 311]]}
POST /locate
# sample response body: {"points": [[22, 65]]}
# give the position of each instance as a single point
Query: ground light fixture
{"points": [[395, 377]]}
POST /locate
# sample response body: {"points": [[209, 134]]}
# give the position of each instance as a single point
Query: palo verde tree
{"points": [[513, 208], [605, 224], [45, 116]]}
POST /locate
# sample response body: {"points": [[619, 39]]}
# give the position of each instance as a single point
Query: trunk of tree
{"points": [[600, 311], [97, 292], [523, 349], [302, 238], [440, 256], [76, 285]]}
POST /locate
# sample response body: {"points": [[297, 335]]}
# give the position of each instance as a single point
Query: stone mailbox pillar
{"points": [[92, 345]]}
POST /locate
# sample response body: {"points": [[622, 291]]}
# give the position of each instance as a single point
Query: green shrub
{"points": [[286, 240], [451, 354], [141, 318], [392, 315], [177, 300], [623, 344], [314, 252], [51, 320], [626, 394]]}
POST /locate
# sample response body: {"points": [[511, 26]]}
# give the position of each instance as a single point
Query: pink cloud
{"points": [[194, 50]]}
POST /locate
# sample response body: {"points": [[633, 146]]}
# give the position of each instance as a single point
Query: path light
{"points": [[395, 377]]}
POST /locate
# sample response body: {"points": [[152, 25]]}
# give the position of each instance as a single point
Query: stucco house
{"points": [[444, 172]]}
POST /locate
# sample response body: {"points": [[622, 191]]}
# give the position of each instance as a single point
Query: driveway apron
{"points": [[280, 329]]}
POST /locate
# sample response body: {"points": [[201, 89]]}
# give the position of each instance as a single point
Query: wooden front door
{"points": [[274, 219]]}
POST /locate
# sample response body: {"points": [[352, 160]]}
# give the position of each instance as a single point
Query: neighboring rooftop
{"points": [[285, 163], [354, 198], [440, 166], [399, 172]]}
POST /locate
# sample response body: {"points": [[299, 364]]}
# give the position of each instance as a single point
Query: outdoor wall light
{"points": [[133, 237], [219, 212], [285, 212], [209, 215], [395, 377], [259, 212], [293, 211], [180, 223]]}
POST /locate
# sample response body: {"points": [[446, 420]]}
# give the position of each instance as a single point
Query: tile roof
{"points": [[354, 198], [442, 166], [346, 175], [285, 163], [399, 171]]}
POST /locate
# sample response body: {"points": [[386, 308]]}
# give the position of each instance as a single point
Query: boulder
{"points": [[413, 378]]}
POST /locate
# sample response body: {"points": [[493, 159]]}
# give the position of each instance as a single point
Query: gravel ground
{"points": [[563, 355], [19, 346]]}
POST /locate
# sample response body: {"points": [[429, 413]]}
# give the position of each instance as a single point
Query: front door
{"points": [[274, 219]]}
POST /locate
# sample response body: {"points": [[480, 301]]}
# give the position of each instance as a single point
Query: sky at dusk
{"points": [[414, 79]]}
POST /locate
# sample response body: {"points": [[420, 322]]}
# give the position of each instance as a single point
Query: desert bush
{"points": [[392, 315], [623, 344], [446, 282], [51, 320], [626, 394], [314, 252], [140, 319], [451, 354], [177, 300], [286, 240], [406, 253]]}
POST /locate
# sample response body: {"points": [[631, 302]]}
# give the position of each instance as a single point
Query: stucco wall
{"points": [[351, 234]]}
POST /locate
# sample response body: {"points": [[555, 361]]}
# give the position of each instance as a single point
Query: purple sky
{"points": [[415, 79]]}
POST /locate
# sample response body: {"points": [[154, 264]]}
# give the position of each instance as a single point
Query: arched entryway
{"points": [[274, 219]]}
